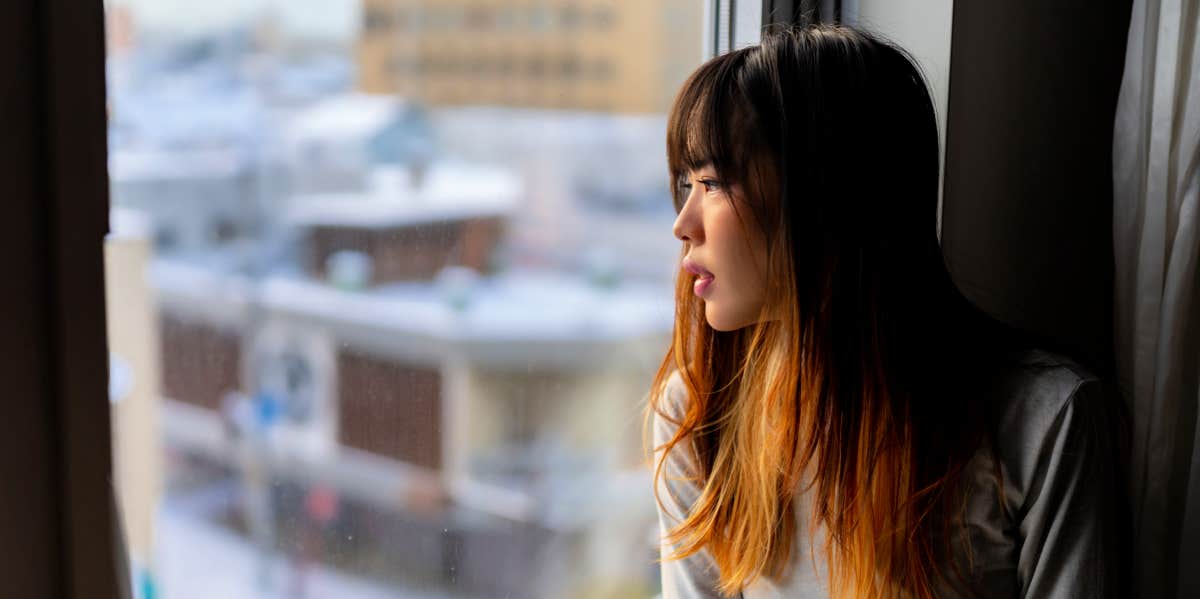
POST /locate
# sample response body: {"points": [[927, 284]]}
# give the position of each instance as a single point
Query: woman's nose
{"points": [[686, 227]]}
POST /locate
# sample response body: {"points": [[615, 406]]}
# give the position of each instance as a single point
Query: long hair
{"points": [[850, 386]]}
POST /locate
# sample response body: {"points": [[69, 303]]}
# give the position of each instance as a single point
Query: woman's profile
{"points": [[833, 418]]}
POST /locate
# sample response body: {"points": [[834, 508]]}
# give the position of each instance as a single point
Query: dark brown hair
{"points": [[856, 394]]}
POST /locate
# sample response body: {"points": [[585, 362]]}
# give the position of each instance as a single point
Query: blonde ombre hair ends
{"points": [[845, 389]]}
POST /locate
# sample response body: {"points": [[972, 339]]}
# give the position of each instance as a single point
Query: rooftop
{"points": [[449, 191], [515, 311], [346, 116]]}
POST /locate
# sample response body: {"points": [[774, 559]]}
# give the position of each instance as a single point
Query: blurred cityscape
{"points": [[384, 301]]}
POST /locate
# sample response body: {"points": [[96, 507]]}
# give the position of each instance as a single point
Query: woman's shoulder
{"points": [[1056, 438], [1041, 360], [1035, 386], [1052, 416], [670, 412], [680, 463], [674, 399]]}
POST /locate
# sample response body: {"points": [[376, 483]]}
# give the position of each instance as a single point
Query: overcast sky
{"points": [[326, 19]]}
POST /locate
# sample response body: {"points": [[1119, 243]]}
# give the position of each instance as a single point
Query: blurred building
{"points": [[600, 55], [195, 199], [596, 184], [408, 224], [439, 323], [335, 143], [479, 423], [134, 386]]}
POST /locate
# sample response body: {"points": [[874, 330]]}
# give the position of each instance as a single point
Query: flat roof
{"points": [[450, 191], [525, 306]]}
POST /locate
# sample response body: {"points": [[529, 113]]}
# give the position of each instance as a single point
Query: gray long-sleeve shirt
{"points": [[1056, 537]]}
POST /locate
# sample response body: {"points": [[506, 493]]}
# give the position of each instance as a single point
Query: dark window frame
{"points": [[59, 507]]}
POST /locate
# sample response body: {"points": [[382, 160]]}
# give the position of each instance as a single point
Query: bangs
{"points": [[706, 124], [690, 144]]}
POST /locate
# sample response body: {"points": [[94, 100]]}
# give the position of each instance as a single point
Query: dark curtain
{"points": [[801, 11], [1027, 209]]}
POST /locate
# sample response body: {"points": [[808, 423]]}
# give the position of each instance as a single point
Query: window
{"points": [[404, 287], [570, 15], [604, 16], [376, 20], [602, 69]]}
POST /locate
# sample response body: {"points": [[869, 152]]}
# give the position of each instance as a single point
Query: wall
{"points": [[134, 344]]}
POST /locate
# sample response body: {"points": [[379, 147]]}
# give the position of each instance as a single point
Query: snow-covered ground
{"points": [[200, 560]]}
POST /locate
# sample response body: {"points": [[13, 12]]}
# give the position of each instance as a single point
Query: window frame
{"points": [[62, 539]]}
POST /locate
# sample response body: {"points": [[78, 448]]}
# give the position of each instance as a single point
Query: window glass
{"points": [[388, 281]]}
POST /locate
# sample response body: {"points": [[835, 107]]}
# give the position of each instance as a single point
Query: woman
{"points": [[833, 418]]}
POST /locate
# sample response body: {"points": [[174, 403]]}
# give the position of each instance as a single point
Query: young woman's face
{"points": [[730, 255]]}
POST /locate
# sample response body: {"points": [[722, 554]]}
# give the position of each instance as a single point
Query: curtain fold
{"points": [[1156, 237], [803, 11]]}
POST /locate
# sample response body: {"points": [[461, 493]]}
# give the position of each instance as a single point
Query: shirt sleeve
{"points": [[696, 576], [1071, 517]]}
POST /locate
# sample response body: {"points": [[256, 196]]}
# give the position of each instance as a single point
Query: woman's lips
{"points": [[703, 277]]}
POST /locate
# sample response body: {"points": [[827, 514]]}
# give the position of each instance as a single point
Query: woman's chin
{"points": [[722, 322]]}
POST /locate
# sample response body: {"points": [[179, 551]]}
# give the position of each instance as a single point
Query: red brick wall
{"points": [[409, 253], [390, 408], [200, 362]]}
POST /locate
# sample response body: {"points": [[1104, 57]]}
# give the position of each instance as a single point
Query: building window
{"points": [[604, 17], [479, 17], [601, 69], [570, 16], [379, 21], [541, 19], [570, 66], [535, 67], [504, 65]]}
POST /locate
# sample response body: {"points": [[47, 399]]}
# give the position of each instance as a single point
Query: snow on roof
{"points": [[178, 112], [450, 191], [516, 306], [345, 116], [160, 164], [127, 223], [529, 306]]}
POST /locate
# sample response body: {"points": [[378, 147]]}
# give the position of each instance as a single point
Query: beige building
{"points": [[135, 384], [605, 55]]}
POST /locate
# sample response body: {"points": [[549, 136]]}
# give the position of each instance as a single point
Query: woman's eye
{"points": [[684, 189]]}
